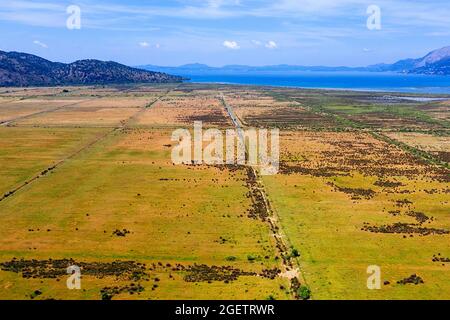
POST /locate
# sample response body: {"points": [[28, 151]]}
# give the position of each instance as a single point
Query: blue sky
{"points": [[220, 32]]}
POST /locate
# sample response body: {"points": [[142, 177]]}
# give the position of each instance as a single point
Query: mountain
{"points": [[22, 69], [399, 66], [436, 62], [441, 67], [202, 69]]}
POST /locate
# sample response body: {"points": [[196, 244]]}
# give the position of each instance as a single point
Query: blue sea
{"points": [[360, 81]]}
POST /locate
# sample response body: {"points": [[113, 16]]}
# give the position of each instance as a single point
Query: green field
{"points": [[92, 184]]}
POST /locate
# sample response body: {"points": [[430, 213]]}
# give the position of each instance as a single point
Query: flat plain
{"points": [[86, 179]]}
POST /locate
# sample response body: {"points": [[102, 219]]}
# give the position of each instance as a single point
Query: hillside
{"points": [[436, 62], [21, 69]]}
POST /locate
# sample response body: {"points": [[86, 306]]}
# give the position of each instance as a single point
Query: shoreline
{"points": [[444, 96]]}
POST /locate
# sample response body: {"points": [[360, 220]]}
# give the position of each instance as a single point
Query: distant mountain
{"points": [[399, 66], [202, 69], [22, 69], [435, 63]]}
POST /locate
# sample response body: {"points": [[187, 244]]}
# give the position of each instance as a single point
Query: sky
{"points": [[224, 32]]}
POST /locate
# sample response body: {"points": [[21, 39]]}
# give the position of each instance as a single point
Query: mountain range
{"points": [[436, 62], [22, 69]]}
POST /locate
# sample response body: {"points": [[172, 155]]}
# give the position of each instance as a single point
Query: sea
{"points": [[359, 81]]}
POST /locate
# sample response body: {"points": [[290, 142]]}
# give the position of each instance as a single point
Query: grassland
{"points": [[189, 225], [363, 180], [328, 194]]}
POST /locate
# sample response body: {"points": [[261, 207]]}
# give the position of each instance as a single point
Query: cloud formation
{"points": [[231, 45], [41, 44], [271, 45], [304, 29]]}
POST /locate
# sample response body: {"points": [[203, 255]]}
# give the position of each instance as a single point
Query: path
{"points": [[290, 264]]}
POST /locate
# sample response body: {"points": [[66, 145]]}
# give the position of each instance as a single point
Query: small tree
{"points": [[295, 253], [304, 292]]}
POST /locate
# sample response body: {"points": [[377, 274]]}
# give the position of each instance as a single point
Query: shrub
{"points": [[295, 253], [230, 258], [251, 258], [304, 292]]}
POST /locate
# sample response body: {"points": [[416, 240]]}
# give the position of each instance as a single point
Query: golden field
{"points": [[87, 179]]}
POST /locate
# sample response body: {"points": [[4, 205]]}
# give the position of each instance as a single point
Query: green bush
{"points": [[304, 292], [251, 258], [295, 253]]}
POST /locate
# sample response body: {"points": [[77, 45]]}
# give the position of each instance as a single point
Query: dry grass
{"points": [[176, 110], [436, 145], [176, 215], [15, 108], [331, 187], [334, 183]]}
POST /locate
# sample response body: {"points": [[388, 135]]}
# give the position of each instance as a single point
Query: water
{"points": [[361, 81]]}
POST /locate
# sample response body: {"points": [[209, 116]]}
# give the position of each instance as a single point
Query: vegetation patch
{"points": [[412, 279], [58, 268], [404, 228], [204, 273], [107, 293]]}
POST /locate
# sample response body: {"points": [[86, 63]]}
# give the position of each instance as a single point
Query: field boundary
{"points": [[418, 153], [9, 121], [43, 173], [282, 243]]}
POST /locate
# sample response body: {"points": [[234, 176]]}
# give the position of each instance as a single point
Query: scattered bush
{"points": [[295, 253], [304, 292]]}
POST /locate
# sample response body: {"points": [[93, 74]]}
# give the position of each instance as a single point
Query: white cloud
{"points": [[41, 44], [257, 43], [105, 16], [366, 50], [157, 46], [231, 45], [144, 44], [271, 45]]}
